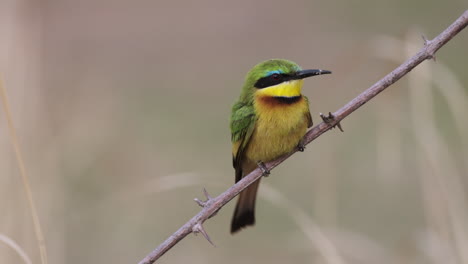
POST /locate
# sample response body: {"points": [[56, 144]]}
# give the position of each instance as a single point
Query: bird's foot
{"points": [[330, 119], [265, 170], [301, 146]]}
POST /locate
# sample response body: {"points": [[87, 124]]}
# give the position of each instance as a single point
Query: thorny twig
{"points": [[212, 205]]}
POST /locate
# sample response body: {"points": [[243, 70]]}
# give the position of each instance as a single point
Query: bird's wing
{"points": [[242, 126], [310, 123]]}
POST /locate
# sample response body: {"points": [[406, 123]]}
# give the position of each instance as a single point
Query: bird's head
{"points": [[276, 78]]}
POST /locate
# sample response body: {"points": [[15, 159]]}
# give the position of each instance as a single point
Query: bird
{"points": [[268, 120]]}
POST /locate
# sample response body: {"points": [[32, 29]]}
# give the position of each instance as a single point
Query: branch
{"points": [[213, 205]]}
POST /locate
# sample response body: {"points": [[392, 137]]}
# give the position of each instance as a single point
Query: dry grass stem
{"points": [[24, 177], [12, 244], [313, 232]]}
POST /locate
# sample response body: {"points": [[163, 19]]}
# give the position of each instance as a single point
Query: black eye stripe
{"points": [[272, 80]]}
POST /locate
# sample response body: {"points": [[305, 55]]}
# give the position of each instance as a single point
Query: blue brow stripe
{"points": [[273, 72]]}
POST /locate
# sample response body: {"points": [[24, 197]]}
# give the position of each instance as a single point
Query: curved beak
{"points": [[308, 73]]}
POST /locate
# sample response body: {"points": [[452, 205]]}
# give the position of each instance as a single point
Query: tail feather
{"points": [[244, 214]]}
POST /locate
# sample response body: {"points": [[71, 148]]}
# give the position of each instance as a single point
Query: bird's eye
{"points": [[275, 76]]}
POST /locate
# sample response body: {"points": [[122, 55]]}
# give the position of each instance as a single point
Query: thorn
{"points": [[208, 201], [200, 202], [265, 170], [339, 127], [203, 203], [427, 42], [207, 195], [330, 119], [198, 228]]}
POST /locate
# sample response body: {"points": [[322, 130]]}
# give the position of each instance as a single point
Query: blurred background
{"points": [[122, 111]]}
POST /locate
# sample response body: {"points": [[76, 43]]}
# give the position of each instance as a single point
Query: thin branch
{"points": [[212, 205]]}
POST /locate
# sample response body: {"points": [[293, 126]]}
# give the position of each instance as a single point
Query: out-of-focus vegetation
{"points": [[122, 111]]}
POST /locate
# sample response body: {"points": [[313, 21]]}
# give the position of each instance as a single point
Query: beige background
{"points": [[122, 110]]}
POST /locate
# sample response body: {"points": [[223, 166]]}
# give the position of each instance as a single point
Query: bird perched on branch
{"points": [[268, 120]]}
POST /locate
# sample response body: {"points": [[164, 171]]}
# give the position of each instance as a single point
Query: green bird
{"points": [[268, 120]]}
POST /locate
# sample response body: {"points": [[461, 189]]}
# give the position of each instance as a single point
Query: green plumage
{"points": [[261, 70], [268, 120], [243, 113]]}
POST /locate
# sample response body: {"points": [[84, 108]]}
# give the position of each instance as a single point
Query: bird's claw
{"points": [[330, 119], [265, 170], [301, 146]]}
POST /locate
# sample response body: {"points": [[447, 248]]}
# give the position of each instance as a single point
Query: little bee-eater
{"points": [[269, 120]]}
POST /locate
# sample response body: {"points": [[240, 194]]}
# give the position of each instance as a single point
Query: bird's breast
{"points": [[281, 123]]}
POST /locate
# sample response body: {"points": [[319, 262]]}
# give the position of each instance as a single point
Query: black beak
{"points": [[308, 73]]}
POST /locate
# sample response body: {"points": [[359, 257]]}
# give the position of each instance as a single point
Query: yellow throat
{"points": [[284, 89]]}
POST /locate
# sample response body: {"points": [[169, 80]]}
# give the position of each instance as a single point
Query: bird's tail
{"points": [[244, 214]]}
